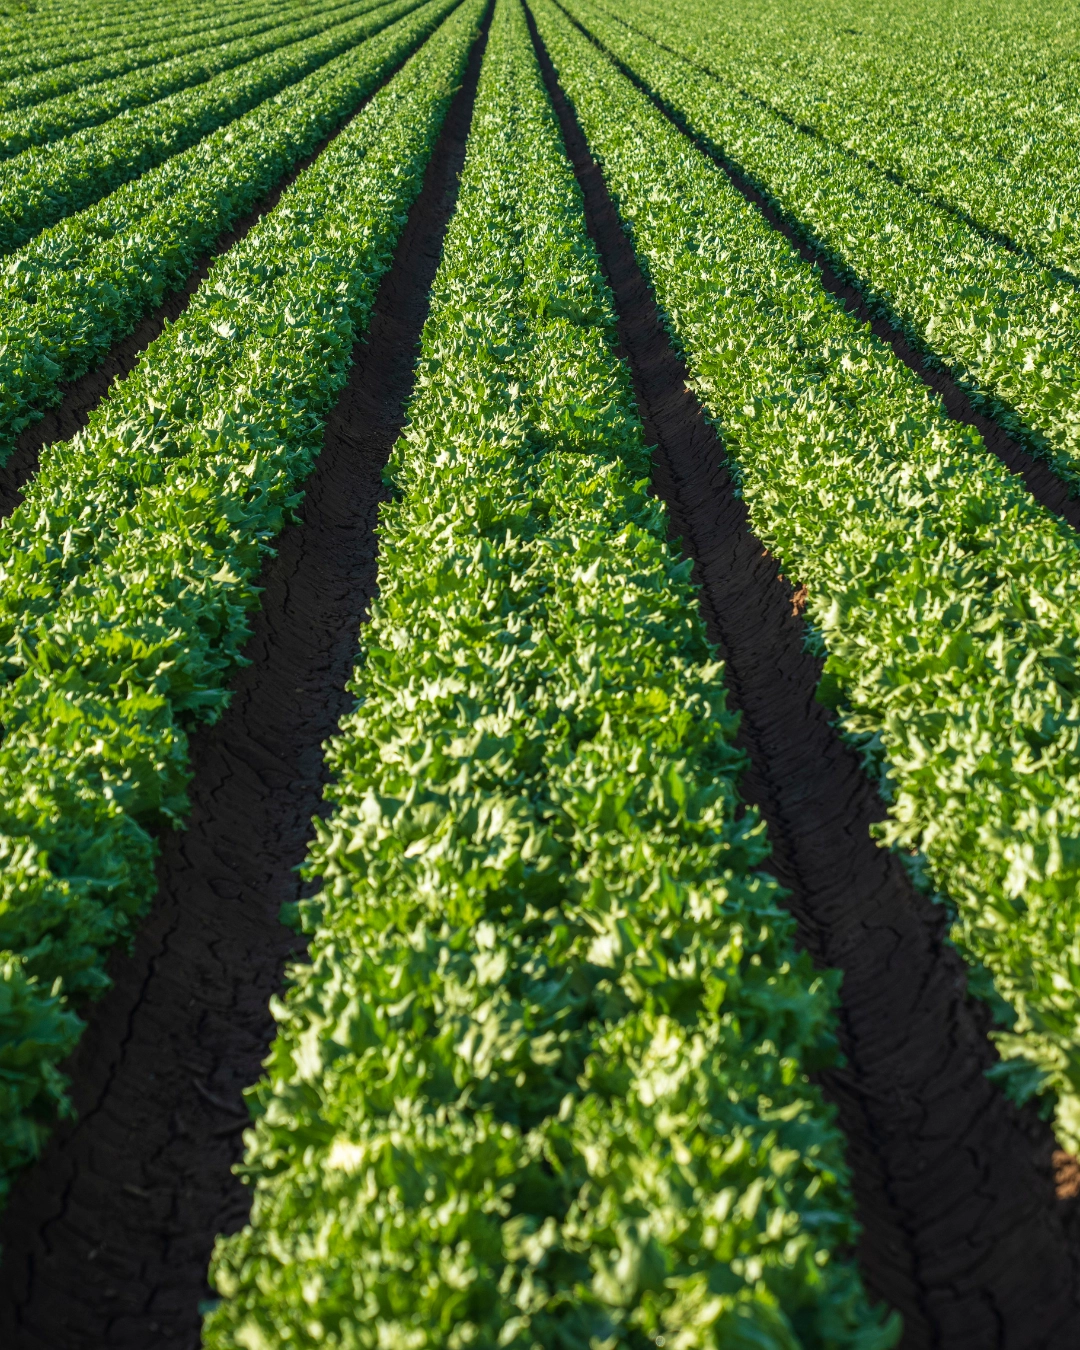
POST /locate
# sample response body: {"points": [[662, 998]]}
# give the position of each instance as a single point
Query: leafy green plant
{"points": [[945, 599], [44, 184], [37, 1031], [91, 104], [23, 89], [544, 1081], [974, 106], [130, 567], [79, 286], [1006, 328], [54, 41]]}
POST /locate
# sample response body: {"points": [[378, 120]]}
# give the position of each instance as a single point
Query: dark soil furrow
{"points": [[985, 232], [106, 1240], [954, 1187], [1038, 477], [82, 396]]}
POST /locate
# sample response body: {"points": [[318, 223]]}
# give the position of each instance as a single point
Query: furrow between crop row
{"points": [[915, 1048], [189, 1011], [168, 504]]}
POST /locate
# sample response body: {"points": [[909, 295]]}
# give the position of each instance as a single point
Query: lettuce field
{"points": [[540, 674]]}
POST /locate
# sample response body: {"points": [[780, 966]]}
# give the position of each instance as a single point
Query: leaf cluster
{"points": [[43, 184], [543, 1082], [86, 282], [945, 599], [24, 89], [93, 103], [129, 570], [57, 39], [974, 108], [1006, 328]]}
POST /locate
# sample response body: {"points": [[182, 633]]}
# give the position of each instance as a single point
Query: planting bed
{"points": [[660, 929], [157, 1078], [948, 1227]]}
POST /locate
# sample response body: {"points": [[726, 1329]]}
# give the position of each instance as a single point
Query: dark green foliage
{"points": [[946, 600], [45, 183], [544, 1081], [37, 84], [131, 566], [84, 283], [1007, 328]]}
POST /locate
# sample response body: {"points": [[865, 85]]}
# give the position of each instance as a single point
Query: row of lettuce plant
{"points": [[29, 54], [1004, 327], [544, 1081], [51, 16], [84, 283], [54, 25], [128, 571], [978, 108], [47, 183], [89, 107], [23, 91], [24, 51], [946, 600]]}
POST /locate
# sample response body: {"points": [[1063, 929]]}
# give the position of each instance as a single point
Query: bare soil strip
{"points": [[106, 1240], [1038, 477], [82, 396], [961, 1228]]}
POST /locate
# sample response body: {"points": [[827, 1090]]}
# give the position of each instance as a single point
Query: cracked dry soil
{"points": [[962, 1230], [106, 1239]]}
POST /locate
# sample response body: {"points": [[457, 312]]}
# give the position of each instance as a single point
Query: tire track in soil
{"points": [[106, 1239], [962, 1231], [1037, 475], [82, 396]]}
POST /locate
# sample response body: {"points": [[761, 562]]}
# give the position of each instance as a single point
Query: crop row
{"points": [[27, 90], [84, 283], [544, 1081], [81, 34], [129, 569], [1000, 323], [45, 184], [74, 40], [946, 600], [984, 122], [90, 106], [54, 23]]}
